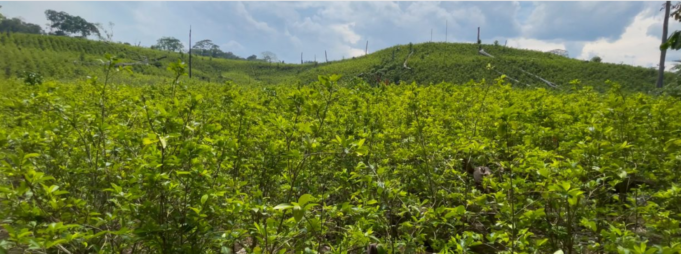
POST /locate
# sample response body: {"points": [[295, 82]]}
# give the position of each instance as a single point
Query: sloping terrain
{"points": [[66, 58]]}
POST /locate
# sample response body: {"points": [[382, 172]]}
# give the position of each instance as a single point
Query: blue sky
{"points": [[627, 32]]}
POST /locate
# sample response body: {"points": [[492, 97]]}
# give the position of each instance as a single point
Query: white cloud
{"points": [[259, 25], [534, 44], [348, 51], [346, 32], [634, 47], [580, 20], [340, 28], [232, 46]]}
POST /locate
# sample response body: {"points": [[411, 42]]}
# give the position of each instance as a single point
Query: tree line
{"points": [[207, 48], [64, 24], [61, 24]]}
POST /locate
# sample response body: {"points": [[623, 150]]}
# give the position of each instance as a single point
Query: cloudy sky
{"points": [[619, 32]]}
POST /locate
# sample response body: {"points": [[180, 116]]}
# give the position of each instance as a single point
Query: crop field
{"points": [[65, 59], [101, 166]]}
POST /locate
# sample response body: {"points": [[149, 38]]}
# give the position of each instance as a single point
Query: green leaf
{"points": [[53, 188], [31, 155], [196, 210], [334, 77], [457, 211], [204, 198], [304, 199], [283, 207], [148, 141], [163, 141], [298, 213]]}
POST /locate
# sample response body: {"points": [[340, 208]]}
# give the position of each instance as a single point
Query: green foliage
{"points": [[168, 44], [16, 25], [33, 79], [183, 166], [59, 58], [65, 24], [596, 59], [269, 56]]}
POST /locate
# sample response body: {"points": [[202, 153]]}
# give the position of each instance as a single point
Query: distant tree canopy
{"points": [[269, 56], [252, 57], [596, 59], [16, 25], [107, 33], [205, 48], [228, 55], [208, 48], [63, 24], [168, 44]]}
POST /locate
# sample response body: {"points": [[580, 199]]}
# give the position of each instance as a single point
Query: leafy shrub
{"points": [[32, 79], [193, 167]]}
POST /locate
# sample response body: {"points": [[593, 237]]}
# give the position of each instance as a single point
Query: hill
{"points": [[65, 58]]}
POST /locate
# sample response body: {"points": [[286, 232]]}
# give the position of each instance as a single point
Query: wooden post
{"points": [[366, 51], [326, 57], [190, 51], [479, 45]]}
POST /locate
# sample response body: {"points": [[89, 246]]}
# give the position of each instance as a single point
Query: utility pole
{"points": [[190, 51], [326, 57], [301, 57], [431, 35], [446, 30]]}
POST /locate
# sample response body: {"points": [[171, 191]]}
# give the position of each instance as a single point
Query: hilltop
{"points": [[66, 58]]}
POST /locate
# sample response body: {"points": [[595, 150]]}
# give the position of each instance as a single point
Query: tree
{"points": [[269, 56], [205, 47], [596, 59], [674, 40], [168, 44], [16, 25], [663, 51], [252, 57], [66, 24], [229, 55], [108, 33], [215, 50]]}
